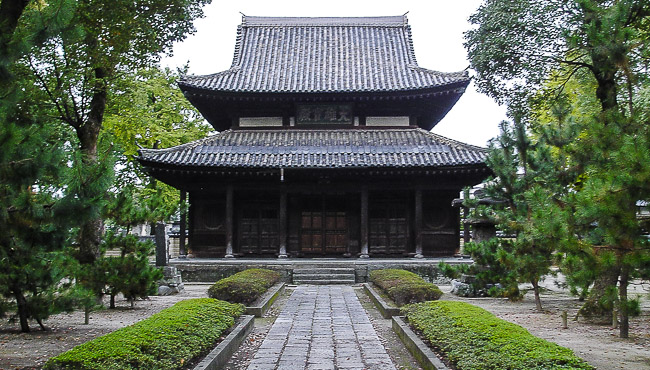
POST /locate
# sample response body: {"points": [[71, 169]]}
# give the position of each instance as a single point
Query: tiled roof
{"points": [[320, 55], [350, 148]]}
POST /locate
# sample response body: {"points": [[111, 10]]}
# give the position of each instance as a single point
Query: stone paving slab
{"points": [[322, 327]]}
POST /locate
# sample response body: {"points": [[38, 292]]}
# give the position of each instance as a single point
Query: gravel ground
{"points": [[31, 350], [597, 344]]}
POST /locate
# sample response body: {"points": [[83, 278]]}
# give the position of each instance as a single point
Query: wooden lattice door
{"points": [[324, 232]]}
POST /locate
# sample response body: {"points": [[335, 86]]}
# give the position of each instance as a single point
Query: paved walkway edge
{"points": [[220, 355], [386, 310], [422, 353], [269, 297]]}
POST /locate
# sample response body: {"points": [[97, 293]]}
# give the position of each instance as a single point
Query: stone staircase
{"points": [[322, 275]]}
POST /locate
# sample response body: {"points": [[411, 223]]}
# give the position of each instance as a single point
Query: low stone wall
{"points": [[197, 271], [211, 270]]}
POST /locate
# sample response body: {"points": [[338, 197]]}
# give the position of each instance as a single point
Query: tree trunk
{"points": [[538, 301], [622, 292], [10, 12], [112, 304], [40, 323], [593, 307], [88, 133], [23, 313]]}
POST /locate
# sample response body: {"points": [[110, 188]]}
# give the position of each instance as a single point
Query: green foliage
{"points": [[526, 203], [130, 273], [245, 286], [166, 340], [472, 338], [35, 212], [147, 110], [80, 67], [404, 287], [590, 56]]}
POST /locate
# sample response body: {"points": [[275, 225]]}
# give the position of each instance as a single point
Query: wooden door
{"points": [[258, 230], [388, 229], [324, 231]]}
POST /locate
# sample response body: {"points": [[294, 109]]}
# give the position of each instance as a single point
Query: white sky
{"points": [[437, 27]]}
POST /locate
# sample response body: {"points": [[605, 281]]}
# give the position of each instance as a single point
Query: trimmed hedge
{"points": [[245, 286], [404, 287], [472, 338], [166, 340]]}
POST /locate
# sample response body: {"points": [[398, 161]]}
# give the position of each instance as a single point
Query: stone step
{"points": [[323, 275], [323, 270], [323, 282], [345, 276], [305, 264]]}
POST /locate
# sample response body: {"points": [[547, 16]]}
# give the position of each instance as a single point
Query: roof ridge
{"points": [[463, 73], [190, 145], [233, 69], [449, 141], [379, 21]]}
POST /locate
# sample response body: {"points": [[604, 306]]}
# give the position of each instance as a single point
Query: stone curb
{"points": [[220, 355], [422, 353], [267, 300], [384, 308]]}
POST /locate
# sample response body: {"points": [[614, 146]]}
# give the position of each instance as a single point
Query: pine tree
{"points": [[78, 70], [524, 196], [518, 47]]}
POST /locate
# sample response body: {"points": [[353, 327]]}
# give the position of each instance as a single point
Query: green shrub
{"points": [[166, 340], [404, 286], [245, 286], [473, 338]]}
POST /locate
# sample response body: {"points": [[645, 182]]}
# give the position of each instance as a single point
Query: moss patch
{"points": [[404, 287], [166, 340], [245, 286], [473, 338]]}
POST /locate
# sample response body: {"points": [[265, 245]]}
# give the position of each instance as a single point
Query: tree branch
{"points": [[39, 77]]}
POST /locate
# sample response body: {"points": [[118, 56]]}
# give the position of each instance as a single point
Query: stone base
{"points": [[171, 283]]}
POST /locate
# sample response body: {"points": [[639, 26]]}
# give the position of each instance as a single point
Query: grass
{"points": [[404, 287], [166, 340], [471, 338], [244, 287]]}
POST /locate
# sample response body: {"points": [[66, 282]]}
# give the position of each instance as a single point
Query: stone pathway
{"points": [[322, 327]]}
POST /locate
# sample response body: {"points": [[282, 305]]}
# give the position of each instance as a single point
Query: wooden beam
{"points": [[364, 223], [182, 253], [229, 221], [418, 223], [283, 225]]}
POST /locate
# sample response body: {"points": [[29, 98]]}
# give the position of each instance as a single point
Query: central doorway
{"points": [[324, 226]]}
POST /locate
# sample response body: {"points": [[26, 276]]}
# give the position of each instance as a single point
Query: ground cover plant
{"points": [[166, 340], [245, 286], [470, 337], [404, 287]]}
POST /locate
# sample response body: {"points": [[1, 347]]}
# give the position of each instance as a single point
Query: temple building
{"points": [[323, 146]]}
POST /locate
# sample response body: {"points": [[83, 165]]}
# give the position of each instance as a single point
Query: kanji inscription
{"points": [[324, 114]]}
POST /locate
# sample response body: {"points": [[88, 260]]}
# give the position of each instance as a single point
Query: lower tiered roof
{"points": [[319, 149]]}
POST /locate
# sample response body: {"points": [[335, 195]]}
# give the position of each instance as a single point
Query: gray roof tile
{"points": [[307, 55], [351, 148]]}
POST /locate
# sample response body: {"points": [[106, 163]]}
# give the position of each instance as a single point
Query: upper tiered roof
{"points": [[324, 55]]}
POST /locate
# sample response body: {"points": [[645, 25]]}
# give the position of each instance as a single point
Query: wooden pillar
{"points": [[229, 221], [418, 223], [282, 234], [364, 223], [182, 253], [465, 225]]}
